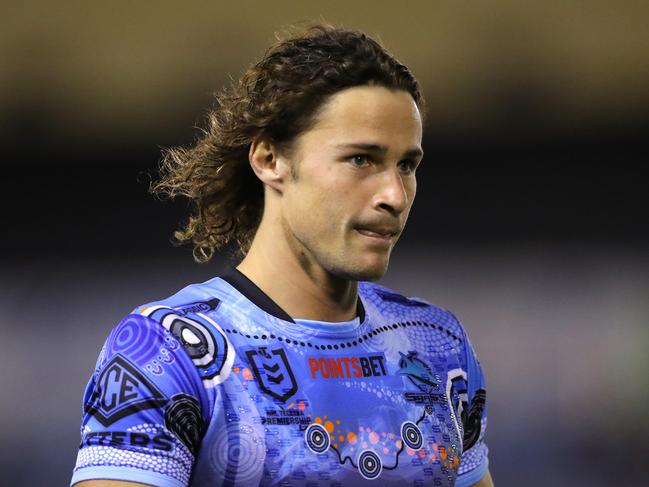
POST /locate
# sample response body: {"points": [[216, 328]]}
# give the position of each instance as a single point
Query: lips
{"points": [[378, 233]]}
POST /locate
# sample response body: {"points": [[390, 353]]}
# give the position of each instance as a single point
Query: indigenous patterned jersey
{"points": [[217, 385]]}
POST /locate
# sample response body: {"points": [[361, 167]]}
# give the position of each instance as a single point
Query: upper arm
{"points": [[109, 483], [472, 395], [145, 409]]}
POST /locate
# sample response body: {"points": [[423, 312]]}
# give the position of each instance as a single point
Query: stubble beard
{"points": [[346, 267]]}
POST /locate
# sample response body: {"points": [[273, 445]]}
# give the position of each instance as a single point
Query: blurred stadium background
{"points": [[530, 221]]}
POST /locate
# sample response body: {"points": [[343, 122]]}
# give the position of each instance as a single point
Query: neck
{"points": [[295, 281]]}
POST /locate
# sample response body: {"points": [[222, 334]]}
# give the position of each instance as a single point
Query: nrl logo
{"points": [[273, 372]]}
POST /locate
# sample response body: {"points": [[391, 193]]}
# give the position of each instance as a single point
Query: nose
{"points": [[393, 194]]}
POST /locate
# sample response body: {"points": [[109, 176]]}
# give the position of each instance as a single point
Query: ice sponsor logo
{"points": [[273, 373], [122, 389], [347, 367]]}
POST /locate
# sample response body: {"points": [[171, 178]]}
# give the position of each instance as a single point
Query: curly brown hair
{"points": [[278, 97]]}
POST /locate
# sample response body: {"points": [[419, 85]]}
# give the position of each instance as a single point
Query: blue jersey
{"points": [[217, 385]]}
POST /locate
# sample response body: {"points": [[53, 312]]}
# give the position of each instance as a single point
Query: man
{"points": [[291, 369]]}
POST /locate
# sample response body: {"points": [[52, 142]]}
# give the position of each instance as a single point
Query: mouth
{"points": [[379, 235]]}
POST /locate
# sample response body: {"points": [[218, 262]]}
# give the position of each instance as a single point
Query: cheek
{"points": [[313, 213], [410, 186], [325, 219], [326, 194], [323, 200]]}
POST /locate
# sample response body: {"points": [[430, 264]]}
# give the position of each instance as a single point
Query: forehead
{"points": [[373, 113]]}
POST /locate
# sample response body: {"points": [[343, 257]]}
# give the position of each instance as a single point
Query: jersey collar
{"points": [[249, 289]]}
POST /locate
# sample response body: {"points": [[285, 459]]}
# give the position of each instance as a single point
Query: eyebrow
{"points": [[380, 149]]}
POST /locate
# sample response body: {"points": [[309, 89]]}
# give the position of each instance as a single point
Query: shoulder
{"points": [[394, 306], [198, 297], [183, 321]]}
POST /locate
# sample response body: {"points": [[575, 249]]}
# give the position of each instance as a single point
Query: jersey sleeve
{"points": [[144, 410], [474, 462]]}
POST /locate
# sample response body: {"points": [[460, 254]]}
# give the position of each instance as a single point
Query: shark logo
{"points": [[418, 372]]}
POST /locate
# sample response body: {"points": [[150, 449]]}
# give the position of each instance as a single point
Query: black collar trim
{"points": [[249, 289]]}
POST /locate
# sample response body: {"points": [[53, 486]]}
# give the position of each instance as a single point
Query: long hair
{"points": [[278, 98]]}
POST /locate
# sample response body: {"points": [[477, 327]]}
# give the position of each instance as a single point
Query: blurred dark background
{"points": [[530, 221]]}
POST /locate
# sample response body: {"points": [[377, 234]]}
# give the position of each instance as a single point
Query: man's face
{"points": [[354, 182]]}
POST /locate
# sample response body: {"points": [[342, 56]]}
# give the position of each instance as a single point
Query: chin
{"points": [[369, 272], [373, 276]]}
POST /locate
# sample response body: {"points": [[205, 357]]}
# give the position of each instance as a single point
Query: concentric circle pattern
{"points": [[238, 454], [369, 464], [136, 339], [317, 438], [411, 435]]}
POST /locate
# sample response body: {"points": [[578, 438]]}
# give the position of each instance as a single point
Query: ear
{"points": [[267, 163]]}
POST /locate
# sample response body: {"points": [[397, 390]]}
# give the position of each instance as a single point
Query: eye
{"points": [[360, 160], [408, 165]]}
